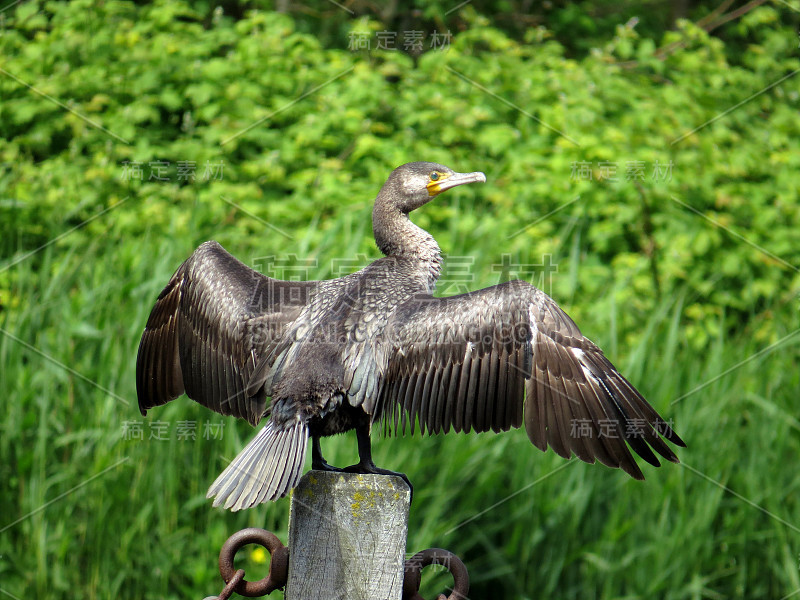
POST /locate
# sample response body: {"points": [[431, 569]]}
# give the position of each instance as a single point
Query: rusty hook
{"points": [[435, 556], [278, 566]]}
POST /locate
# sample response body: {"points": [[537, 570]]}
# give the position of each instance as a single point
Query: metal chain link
{"points": [[435, 556]]}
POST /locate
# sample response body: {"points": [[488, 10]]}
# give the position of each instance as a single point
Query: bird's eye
{"points": [[435, 176]]}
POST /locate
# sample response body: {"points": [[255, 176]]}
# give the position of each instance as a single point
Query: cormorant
{"points": [[376, 345]]}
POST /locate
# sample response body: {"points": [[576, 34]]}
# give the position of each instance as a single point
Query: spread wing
{"points": [[508, 355], [210, 325]]}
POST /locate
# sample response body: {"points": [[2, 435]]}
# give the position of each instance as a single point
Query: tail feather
{"points": [[295, 459], [268, 467], [281, 467]]}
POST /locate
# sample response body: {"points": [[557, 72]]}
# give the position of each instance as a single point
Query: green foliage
{"points": [[291, 138]]}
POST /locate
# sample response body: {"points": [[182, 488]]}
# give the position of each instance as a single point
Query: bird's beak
{"points": [[437, 187]]}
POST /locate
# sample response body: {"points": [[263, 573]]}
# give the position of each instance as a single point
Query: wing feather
{"points": [[411, 397], [481, 400], [433, 406], [508, 356], [606, 453], [444, 413], [521, 371], [462, 393], [451, 397], [211, 322], [489, 380], [472, 394], [398, 396], [501, 423], [426, 400]]}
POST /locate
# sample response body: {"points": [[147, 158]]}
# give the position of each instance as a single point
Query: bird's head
{"points": [[414, 184]]}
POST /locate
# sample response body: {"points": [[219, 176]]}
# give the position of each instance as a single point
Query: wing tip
{"points": [[637, 474], [674, 438]]}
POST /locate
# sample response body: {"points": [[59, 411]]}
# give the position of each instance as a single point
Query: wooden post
{"points": [[347, 537]]}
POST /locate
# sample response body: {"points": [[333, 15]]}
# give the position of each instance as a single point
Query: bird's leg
{"points": [[365, 464], [317, 461]]}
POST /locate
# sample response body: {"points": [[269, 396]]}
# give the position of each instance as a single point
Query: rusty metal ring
{"points": [[278, 566], [435, 556]]}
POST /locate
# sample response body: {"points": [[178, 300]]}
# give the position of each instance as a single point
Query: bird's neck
{"points": [[397, 236]]}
